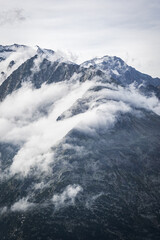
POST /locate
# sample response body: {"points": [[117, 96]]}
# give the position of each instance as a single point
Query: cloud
{"points": [[22, 205], [134, 98], [92, 199], [12, 16], [32, 124], [67, 197], [103, 115], [3, 210]]}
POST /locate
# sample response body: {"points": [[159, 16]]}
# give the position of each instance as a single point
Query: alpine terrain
{"points": [[79, 148]]}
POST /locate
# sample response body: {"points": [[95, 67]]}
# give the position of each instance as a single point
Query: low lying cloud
{"points": [[3, 210], [102, 115], [22, 205], [67, 197], [32, 124], [132, 96]]}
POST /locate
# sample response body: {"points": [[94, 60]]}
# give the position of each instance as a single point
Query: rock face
{"points": [[79, 150]]}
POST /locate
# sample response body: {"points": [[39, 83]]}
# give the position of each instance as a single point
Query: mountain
{"points": [[116, 68], [79, 148]]}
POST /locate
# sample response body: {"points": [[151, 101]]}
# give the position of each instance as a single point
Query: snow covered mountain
{"points": [[79, 148], [117, 69]]}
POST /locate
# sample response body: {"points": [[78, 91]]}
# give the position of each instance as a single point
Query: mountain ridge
{"points": [[110, 67]]}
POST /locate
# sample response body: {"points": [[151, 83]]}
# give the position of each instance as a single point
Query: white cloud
{"points": [[3, 210], [40, 185], [35, 132], [67, 197], [22, 205], [103, 115], [132, 96]]}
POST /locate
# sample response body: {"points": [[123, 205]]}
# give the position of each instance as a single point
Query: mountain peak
{"points": [[117, 69], [105, 62]]}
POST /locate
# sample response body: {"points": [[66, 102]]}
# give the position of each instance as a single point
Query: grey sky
{"points": [[87, 28]]}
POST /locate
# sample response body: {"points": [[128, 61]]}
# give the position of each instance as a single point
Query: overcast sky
{"points": [[87, 28]]}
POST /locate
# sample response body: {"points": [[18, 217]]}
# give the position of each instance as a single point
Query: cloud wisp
{"points": [[22, 205], [67, 197]]}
